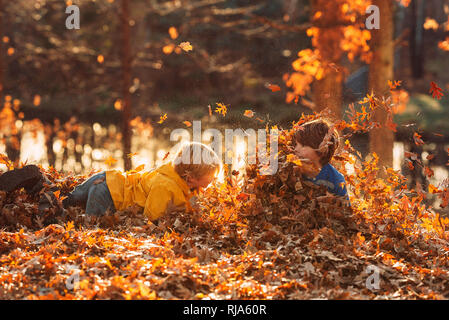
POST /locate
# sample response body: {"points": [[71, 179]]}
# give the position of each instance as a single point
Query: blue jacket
{"points": [[332, 179]]}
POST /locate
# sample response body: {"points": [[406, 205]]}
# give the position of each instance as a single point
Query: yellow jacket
{"points": [[153, 190]]}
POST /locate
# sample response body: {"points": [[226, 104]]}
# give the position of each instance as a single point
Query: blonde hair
{"points": [[195, 159]]}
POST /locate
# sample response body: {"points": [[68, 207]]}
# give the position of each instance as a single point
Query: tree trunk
{"points": [[2, 71], [327, 93], [126, 83], [381, 70], [416, 38]]}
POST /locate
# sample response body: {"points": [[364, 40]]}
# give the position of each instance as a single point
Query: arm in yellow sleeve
{"points": [[160, 199], [157, 202]]}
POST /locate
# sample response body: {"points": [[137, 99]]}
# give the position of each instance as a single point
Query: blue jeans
{"points": [[96, 197]]}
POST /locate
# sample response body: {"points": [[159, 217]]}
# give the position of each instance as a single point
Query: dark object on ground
{"points": [[29, 177], [33, 181]]}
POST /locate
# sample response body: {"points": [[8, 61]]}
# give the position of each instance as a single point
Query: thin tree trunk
{"points": [[126, 83], [416, 38], [381, 70], [327, 93], [2, 71]]}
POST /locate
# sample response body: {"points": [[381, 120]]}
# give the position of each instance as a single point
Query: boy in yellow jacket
{"points": [[170, 185], [167, 186]]}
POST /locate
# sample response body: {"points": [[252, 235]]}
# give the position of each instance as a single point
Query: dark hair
{"points": [[313, 133]]}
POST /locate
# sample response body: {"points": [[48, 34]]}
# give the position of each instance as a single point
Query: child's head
{"points": [[197, 164], [308, 141]]}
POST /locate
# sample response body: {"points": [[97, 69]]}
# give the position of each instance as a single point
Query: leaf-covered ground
{"points": [[260, 237]]}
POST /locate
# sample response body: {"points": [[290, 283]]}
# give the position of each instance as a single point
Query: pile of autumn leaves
{"points": [[256, 237]]}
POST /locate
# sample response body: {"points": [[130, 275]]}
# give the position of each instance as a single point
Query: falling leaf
{"points": [[118, 104], [433, 189], [168, 48], [274, 87], [110, 161], [131, 155], [431, 24], [436, 91], [394, 84], [428, 172], [417, 138], [100, 58], [249, 113], [221, 109], [162, 118], [173, 32], [186, 46], [187, 123], [37, 100], [69, 226], [294, 159]]}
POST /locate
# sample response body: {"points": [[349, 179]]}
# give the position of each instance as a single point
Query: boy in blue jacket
{"points": [[317, 141]]}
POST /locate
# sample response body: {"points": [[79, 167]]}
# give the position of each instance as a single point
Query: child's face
{"points": [[306, 152], [201, 182]]}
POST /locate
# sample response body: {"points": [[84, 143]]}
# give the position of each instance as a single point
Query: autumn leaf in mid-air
{"points": [[435, 90], [173, 32], [186, 46], [274, 87], [394, 84], [37, 100], [433, 189], [118, 104], [162, 118], [294, 159], [221, 108], [249, 113], [130, 155], [110, 161], [431, 24], [417, 138], [69, 226], [187, 123]]}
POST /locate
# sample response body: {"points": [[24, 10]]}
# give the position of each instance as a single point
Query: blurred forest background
{"points": [[109, 93]]}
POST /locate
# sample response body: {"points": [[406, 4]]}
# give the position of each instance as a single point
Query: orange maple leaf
{"points": [[274, 87], [110, 161], [162, 118], [222, 109], [249, 113], [417, 139], [186, 46], [435, 90], [394, 84]]}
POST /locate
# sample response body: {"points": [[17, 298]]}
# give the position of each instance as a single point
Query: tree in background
{"points": [[338, 30], [380, 72], [126, 83]]}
